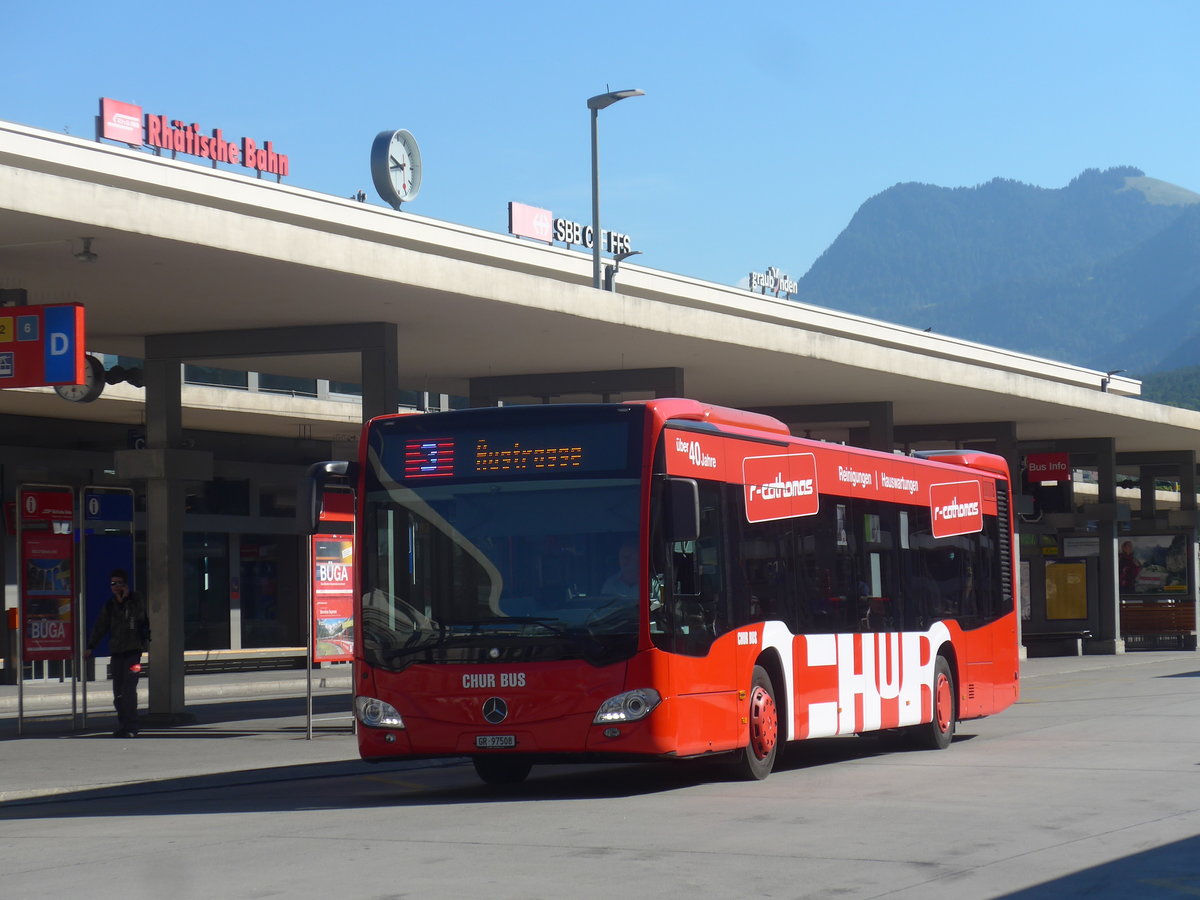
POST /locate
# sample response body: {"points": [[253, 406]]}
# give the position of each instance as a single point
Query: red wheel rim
{"points": [[764, 723], [943, 702]]}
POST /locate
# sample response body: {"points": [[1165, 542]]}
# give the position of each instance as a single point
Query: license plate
{"points": [[495, 741]]}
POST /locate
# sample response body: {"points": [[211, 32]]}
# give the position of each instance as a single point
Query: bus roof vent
{"points": [[974, 459], [735, 418]]}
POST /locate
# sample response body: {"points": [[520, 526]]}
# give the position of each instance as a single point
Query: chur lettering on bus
{"points": [[491, 679], [850, 683]]}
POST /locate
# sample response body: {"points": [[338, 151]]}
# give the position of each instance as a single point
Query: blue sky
{"points": [[764, 125]]}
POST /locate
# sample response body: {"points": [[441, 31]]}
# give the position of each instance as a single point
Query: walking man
{"points": [[124, 620]]}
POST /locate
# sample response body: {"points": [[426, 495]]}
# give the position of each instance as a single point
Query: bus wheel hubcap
{"points": [[944, 704], [764, 723]]}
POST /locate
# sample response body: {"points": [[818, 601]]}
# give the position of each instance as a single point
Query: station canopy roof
{"points": [[182, 248]]}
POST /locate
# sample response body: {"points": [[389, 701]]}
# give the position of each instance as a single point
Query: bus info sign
{"points": [[41, 345]]}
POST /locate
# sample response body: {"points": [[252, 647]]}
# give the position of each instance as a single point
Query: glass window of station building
{"points": [[244, 563]]}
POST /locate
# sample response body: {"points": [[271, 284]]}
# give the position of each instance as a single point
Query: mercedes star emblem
{"points": [[495, 710]]}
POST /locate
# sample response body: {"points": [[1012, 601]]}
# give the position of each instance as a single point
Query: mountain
{"points": [[1178, 387], [1103, 272]]}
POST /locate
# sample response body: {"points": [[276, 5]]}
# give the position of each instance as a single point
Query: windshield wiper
{"points": [[485, 627], [479, 631]]}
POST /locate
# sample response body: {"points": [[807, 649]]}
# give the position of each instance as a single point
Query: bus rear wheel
{"points": [[938, 734], [755, 761], [501, 769]]}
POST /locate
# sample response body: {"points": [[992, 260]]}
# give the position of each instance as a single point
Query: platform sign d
{"points": [[42, 345]]}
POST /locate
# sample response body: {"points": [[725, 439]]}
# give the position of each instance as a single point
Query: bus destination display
{"points": [[519, 452]]}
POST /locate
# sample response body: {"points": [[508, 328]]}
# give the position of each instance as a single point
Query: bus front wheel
{"points": [[501, 769], [756, 760]]}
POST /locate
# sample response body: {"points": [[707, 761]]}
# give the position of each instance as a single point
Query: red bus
{"points": [[667, 579]]}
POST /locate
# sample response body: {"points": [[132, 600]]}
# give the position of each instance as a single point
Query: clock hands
{"points": [[403, 167]]}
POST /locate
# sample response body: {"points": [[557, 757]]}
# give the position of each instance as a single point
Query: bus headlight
{"points": [[376, 713], [627, 707]]}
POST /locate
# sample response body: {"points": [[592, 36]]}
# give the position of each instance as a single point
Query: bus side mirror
{"points": [[312, 489], [683, 510]]}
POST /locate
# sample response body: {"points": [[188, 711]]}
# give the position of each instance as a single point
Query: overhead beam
{"points": [[287, 341], [876, 416], [661, 382]]}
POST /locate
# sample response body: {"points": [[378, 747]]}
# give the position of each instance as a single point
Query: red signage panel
{"points": [[780, 487], [41, 345], [956, 508], [121, 121], [47, 506], [695, 455], [47, 595], [333, 597], [1048, 466]]}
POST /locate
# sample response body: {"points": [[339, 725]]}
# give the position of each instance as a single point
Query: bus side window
{"points": [[760, 583], [686, 563], [698, 611]]}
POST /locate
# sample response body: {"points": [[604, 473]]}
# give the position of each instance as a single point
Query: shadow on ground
{"points": [[1170, 871], [351, 784]]}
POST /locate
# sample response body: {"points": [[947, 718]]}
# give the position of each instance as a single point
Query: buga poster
{"points": [[333, 597], [47, 596]]}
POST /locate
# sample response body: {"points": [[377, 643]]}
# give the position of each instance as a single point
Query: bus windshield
{"points": [[468, 566]]}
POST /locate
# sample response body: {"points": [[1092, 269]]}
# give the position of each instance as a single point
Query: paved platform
{"points": [[253, 726], [42, 697], [247, 725]]}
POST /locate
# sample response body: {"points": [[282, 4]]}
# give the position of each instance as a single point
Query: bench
{"points": [[1055, 643], [1168, 624], [197, 662]]}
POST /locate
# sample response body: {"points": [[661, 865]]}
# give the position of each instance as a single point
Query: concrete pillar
{"points": [[380, 379], [164, 467], [1187, 513], [1109, 639], [1149, 502]]}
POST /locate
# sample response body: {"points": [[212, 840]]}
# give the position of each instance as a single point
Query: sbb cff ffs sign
{"points": [[41, 345], [541, 225]]}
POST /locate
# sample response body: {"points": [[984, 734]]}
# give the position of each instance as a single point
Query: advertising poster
{"points": [[333, 597], [1153, 563], [1066, 590], [47, 592]]}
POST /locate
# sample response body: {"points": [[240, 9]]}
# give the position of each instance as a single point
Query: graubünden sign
{"points": [[125, 123]]}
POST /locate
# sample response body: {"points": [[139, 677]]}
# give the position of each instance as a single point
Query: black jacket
{"points": [[127, 624]]}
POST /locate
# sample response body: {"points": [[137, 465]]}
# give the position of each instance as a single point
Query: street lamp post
{"points": [[610, 272], [595, 104]]}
